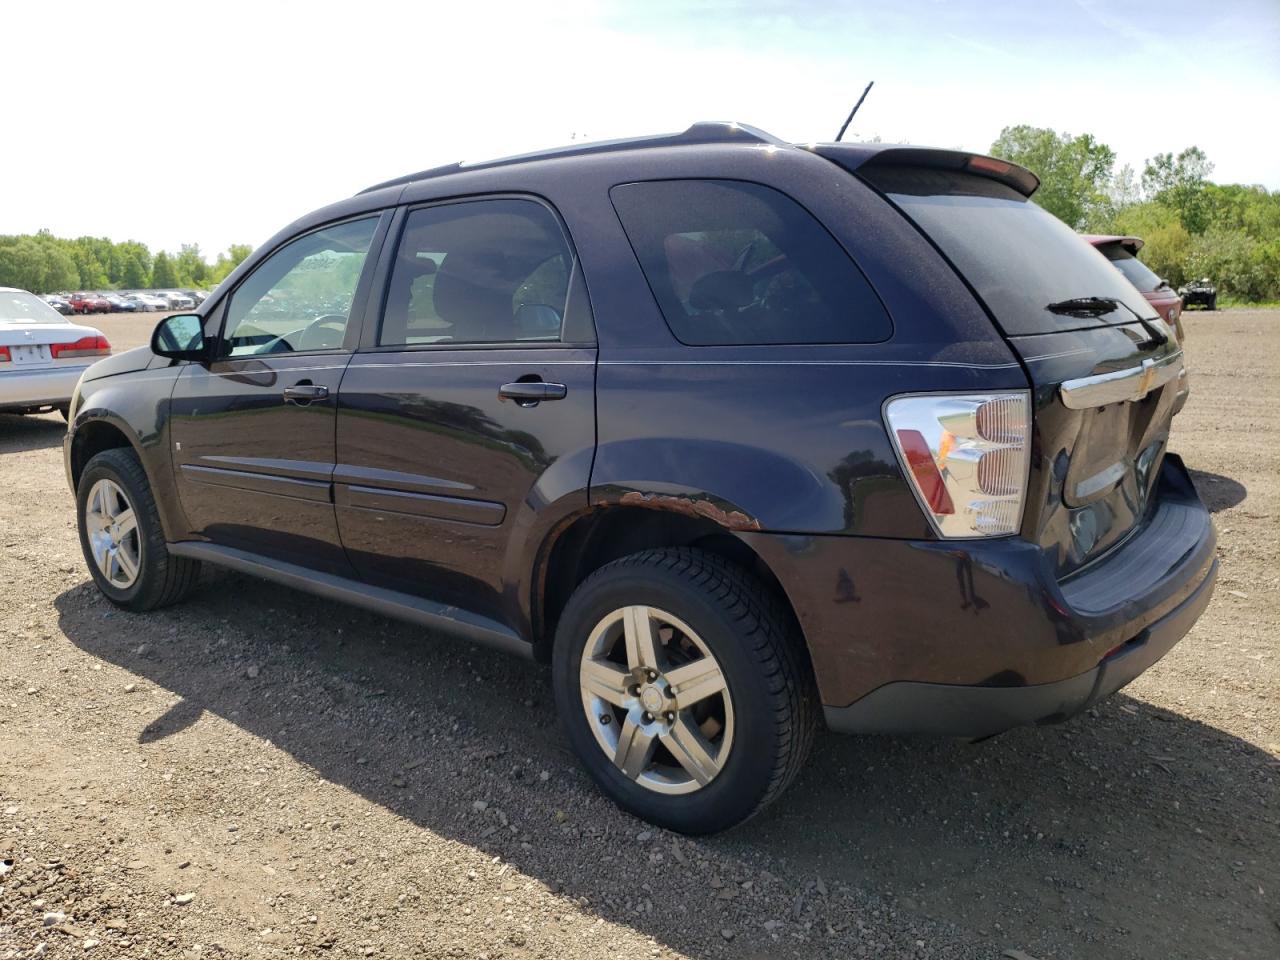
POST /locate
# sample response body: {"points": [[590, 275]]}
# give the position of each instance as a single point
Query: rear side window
{"points": [[483, 271], [1135, 271], [731, 262], [1032, 270]]}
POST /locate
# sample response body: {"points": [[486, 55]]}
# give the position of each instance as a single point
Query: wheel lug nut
{"points": [[670, 716], [647, 717], [606, 719], [652, 675], [635, 690]]}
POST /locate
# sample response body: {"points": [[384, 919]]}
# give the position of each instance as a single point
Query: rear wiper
{"points": [[1096, 306], [1084, 306]]}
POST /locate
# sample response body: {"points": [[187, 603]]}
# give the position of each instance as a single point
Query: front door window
{"points": [[299, 299]]}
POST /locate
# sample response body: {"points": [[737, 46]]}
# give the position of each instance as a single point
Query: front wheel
{"points": [[122, 539], [683, 690]]}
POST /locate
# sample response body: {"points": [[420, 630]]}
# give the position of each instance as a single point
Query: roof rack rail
{"points": [[702, 132]]}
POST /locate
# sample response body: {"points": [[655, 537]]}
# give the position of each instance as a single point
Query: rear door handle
{"points": [[305, 392], [528, 392]]}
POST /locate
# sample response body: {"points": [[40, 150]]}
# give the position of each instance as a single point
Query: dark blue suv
{"points": [[739, 436]]}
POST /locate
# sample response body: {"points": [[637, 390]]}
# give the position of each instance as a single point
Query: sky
{"points": [[219, 123]]}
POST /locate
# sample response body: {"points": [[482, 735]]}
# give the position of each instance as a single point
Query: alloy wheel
{"points": [[112, 531], [656, 700]]}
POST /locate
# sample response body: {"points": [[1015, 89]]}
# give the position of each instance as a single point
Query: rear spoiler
{"points": [[869, 156]]}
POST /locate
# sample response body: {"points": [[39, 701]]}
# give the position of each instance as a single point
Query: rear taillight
{"points": [[967, 456], [84, 347], [5, 356]]}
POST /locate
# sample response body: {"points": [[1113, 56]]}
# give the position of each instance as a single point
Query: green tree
{"points": [[1179, 182], [190, 267], [1074, 172], [134, 276], [91, 274], [31, 265], [163, 274], [226, 262]]}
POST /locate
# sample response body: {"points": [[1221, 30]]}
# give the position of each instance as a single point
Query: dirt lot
{"points": [[259, 773]]}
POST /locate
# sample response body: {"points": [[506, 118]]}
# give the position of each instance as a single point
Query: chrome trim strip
{"points": [[808, 363], [1055, 356], [523, 361], [1120, 386], [358, 364]]}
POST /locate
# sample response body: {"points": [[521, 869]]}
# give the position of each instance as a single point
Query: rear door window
{"points": [[1035, 274], [732, 262], [482, 271]]}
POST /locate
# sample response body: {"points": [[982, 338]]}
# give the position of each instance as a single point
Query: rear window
{"points": [[18, 306], [1135, 271], [731, 262], [1020, 259]]}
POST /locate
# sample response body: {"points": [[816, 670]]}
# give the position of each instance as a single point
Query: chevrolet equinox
{"points": [[739, 436]]}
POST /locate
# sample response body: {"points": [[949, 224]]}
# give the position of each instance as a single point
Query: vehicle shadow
{"points": [[1100, 837], [21, 434], [1218, 492]]}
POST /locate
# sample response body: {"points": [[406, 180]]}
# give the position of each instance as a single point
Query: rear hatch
{"points": [[1103, 365]]}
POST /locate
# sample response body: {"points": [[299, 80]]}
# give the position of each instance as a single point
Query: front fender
{"points": [[137, 407]]}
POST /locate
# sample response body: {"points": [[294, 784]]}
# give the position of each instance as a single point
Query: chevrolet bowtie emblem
{"points": [[1148, 376]]}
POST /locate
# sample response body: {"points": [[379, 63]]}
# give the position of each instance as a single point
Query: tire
{"points": [[114, 481], [1212, 304], [759, 723]]}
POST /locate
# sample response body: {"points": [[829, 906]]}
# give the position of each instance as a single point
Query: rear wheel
{"points": [[1213, 303], [122, 539], [682, 689]]}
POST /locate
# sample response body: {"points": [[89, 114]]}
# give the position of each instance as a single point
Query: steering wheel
{"points": [[323, 333]]}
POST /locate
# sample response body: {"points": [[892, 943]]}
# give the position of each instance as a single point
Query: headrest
{"points": [[469, 290]]}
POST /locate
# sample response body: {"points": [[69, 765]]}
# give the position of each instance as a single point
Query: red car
{"points": [[1123, 252], [88, 303]]}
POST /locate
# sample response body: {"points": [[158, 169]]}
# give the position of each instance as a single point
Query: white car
{"points": [[42, 354], [177, 301], [148, 301]]}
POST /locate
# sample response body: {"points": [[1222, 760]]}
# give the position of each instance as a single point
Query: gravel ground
{"points": [[260, 773]]}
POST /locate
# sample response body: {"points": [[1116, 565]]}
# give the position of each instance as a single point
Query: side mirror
{"points": [[180, 337]]}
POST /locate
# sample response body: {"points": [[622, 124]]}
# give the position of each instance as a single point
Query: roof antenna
{"points": [[849, 119]]}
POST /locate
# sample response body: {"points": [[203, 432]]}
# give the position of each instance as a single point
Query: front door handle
{"points": [[529, 392], [305, 392]]}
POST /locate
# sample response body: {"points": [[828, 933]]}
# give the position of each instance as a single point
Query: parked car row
{"points": [[125, 301]]}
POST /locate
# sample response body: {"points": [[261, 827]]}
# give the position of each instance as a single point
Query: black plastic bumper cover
{"points": [[975, 712]]}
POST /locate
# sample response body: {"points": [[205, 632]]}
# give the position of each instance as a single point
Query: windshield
{"points": [[1020, 259], [17, 306], [1137, 272]]}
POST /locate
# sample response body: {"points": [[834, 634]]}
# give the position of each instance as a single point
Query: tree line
{"points": [[1192, 227], [43, 263]]}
